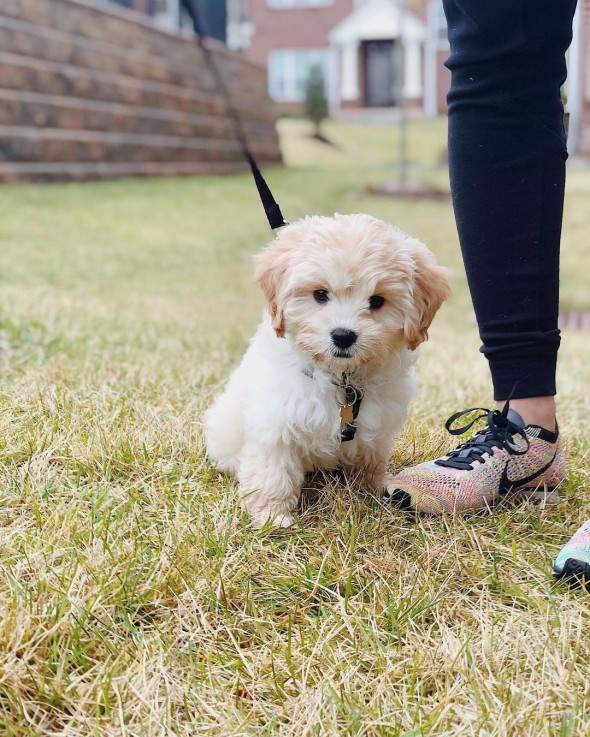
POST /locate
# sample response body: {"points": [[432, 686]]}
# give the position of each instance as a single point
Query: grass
{"points": [[134, 597]]}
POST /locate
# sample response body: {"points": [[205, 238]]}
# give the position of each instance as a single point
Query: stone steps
{"points": [[54, 172], [22, 144], [78, 113], [27, 73], [28, 39], [82, 86]]}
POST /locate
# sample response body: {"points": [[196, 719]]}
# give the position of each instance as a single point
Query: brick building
{"points": [[374, 53]]}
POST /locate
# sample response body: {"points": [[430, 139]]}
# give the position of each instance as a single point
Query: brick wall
{"points": [[285, 28], [89, 93]]}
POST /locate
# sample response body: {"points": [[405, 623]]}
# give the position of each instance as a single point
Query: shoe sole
{"points": [[545, 496], [576, 573]]}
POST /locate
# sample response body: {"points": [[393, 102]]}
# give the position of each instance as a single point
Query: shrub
{"points": [[316, 104]]}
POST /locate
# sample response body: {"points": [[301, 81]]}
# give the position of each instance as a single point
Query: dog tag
{"points": [[346, 415]]}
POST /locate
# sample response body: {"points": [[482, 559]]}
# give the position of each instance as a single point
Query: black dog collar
{"points": [[349, 409], [349, 398]]}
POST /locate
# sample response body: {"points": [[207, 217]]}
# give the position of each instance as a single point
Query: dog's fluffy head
{"points": [[350, 289]]}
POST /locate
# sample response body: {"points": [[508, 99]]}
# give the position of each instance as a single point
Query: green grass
{"points": [[370, 145], [134, 597]]}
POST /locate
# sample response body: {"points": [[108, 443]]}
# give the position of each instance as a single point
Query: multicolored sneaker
{"points": [[573, 562], [505, 456]]}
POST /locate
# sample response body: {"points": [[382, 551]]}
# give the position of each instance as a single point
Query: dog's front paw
{"points": [[278, 520], [283, 520]]}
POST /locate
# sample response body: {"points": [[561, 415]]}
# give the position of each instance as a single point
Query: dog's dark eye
{"points": [[321, 296], [376, 301]]}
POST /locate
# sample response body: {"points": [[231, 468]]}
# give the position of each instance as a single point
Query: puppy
{"points": [[327, 378]]}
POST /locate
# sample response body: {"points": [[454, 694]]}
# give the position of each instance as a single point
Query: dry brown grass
{"points": [[135, 599]]}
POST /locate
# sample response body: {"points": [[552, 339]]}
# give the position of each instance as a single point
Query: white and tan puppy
{"points": [[348, 299]]}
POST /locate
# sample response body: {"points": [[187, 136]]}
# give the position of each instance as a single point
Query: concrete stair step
{"points": [[30, 40], [114, 25], [50, 111], [26, 73], [134, 32], [60, 171], [20, 144], [51, 144], [37, 109]]}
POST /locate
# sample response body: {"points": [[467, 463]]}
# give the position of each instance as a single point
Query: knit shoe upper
{"points": [[573, 561], [506, 455]]}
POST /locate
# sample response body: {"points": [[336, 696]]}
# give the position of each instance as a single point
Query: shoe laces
{"points": [[499, 432]]}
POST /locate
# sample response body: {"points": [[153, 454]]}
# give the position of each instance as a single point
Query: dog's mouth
{"points": [[343, 353]]}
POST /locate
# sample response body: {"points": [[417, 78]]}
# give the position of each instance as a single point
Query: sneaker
{"points": [[573, 562], [505, 456]]}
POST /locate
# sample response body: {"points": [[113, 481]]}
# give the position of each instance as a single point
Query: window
{"points": [[288, 70], [299, 3]]}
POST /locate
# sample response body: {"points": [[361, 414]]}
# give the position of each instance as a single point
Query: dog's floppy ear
{"points": [[271, 266], [431, 288]]}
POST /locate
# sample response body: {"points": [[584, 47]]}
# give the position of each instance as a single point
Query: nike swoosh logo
{"points": [[506, 484]]}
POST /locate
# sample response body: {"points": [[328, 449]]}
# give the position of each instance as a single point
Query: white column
{"points": [[412, 69], [431, 70], [575, 94], [333, 83], [349, 80], [174, 13]]}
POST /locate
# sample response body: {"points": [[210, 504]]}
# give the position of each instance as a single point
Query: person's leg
{"points": [[507, 153], [507, 157]]}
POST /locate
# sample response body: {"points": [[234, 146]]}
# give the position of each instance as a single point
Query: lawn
{"points": [[136, 600]]}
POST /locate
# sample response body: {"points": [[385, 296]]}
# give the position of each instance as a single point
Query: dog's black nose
{"points": [[343, 338]]}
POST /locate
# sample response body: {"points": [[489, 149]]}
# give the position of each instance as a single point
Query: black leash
{"points": [[271, 208]]}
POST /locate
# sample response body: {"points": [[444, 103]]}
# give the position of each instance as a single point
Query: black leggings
{"points": [[507, 153]]}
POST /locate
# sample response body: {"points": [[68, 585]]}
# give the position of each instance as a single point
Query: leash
{"points": [[352, 396], [271, 208]]}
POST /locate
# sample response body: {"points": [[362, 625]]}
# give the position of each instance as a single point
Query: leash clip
{"points": [[349, 406], [351, 396]]}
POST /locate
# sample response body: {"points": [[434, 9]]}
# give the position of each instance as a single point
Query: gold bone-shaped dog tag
{"points": [[346, 415]]}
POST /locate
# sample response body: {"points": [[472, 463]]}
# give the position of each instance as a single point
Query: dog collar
{"points": [[349, 398]]}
